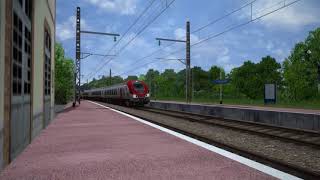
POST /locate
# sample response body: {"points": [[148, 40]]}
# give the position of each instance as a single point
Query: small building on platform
{"points": [[27, 38]]}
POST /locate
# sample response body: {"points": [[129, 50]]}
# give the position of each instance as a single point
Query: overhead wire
{"points": [[130, 27], [136, 35], [230, 28], [197, 30]]}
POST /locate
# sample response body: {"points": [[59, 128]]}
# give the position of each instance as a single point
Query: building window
{"points": [[17, 55], [47, 64], [27, 50], [21, 49], [27, 8]]}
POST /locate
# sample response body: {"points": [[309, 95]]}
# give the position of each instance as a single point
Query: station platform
{"points": [[251, 107], [95, 142], [304, 119]]}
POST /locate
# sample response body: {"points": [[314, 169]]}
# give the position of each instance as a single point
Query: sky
{"points": [[274, 34]]}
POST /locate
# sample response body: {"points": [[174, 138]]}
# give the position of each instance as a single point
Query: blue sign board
{"points": [[221, 81]]}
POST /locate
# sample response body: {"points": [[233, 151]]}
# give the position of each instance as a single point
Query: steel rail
{"points": [[296, 136]]}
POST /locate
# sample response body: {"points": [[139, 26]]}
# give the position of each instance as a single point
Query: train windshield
{"points": [[138, 86]]}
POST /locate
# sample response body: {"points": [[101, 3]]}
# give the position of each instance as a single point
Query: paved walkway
{"points": [[91, 142]]}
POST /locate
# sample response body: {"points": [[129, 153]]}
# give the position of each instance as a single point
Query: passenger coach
{"points": [[130, 93]]}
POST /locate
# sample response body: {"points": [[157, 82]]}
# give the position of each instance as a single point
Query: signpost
{"points": [[221, 82]]}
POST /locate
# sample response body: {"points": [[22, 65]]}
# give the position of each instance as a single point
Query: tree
{"points": [[200, 80], [167, 83], [132, 78], [181, 84], [64, 76], [269, 71], [245, 79], [250, 78], [300, 68], [142, 77], [214, 73], [150, 79]]}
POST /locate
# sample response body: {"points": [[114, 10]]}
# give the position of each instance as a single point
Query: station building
{"points": [[27, 38]]}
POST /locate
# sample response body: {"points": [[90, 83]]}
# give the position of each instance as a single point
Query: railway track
{"points": [[297, 136], [247, 127]]}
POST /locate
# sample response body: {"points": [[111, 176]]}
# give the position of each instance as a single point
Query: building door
{"points": [[21, 76], [47, 77]]}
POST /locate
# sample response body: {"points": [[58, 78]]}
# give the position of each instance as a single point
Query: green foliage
{"points": [[64, 76], [200, 78], [150, 79], [103, 82], [250, 78], [214, 73], [300, 68], [142, 77], [132, 78]]}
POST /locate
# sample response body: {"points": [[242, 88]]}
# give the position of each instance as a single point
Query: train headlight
{"points": [[147, 95], [134, 96]]}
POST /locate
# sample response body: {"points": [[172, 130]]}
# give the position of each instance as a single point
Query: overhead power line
{"points": [[130, 27], [230, 28], [198, 29], [224, 16], [240, 25], [136, 35]]}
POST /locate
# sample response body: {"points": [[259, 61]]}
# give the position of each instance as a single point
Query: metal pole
{"points": [[192, 74], [78, 57], [186, 83], [220, 87], [110, 77], [75, 89], [188, 78]]}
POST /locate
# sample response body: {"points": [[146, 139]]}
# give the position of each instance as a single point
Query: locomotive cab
{"points": [[139, 92]]}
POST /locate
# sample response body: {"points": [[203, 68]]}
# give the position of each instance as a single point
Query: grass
{"points": [[312, 104]]}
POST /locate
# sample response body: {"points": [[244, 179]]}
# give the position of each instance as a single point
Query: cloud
{"points": [[66, 29], [223, 60], [165, 29], [292, 17], [269, 46], [253, 32], [123, 7], [213, 53], [181, 35]]}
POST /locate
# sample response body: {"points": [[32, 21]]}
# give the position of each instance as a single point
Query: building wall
{"points": [[43, 13], [2, 35]]}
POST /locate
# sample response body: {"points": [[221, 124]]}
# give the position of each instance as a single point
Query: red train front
{"points": [[139, 92]]}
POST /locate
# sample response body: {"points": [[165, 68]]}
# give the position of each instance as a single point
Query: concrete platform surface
{"points": [[92, 142], [251, 107]]}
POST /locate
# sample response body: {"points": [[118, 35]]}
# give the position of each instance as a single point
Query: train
{"points": [[129, 93]]}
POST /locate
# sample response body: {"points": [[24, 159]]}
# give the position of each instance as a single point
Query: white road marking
{"points": [[253, 164]]}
